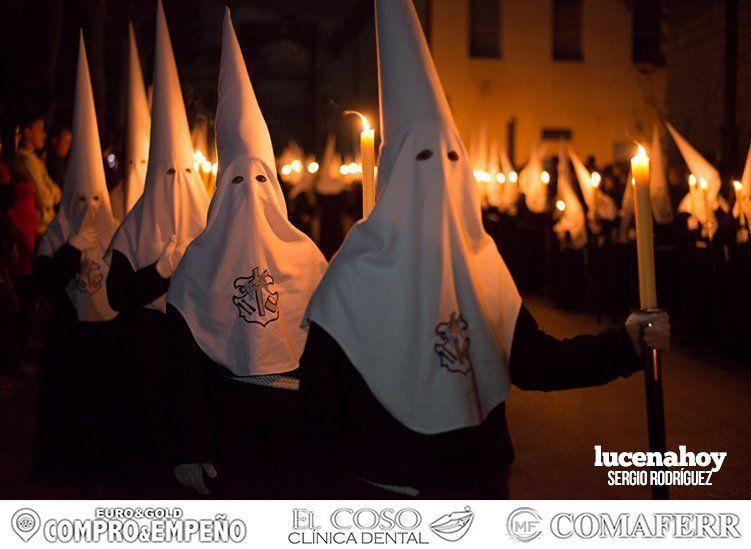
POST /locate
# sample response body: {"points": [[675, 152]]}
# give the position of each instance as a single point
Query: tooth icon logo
{"points": [[25, 523], [454, 526]]}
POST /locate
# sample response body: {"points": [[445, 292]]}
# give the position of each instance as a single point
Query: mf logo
{"points": [[523, 524]]}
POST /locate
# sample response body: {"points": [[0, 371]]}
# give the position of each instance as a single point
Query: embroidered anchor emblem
{"points": [[255, 300], [89, 278], [453, 344]]}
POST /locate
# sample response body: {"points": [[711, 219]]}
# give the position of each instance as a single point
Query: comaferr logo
{"points": [[525, 525], [645, 525]]}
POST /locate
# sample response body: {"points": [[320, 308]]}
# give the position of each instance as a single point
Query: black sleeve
{"points": [[53, 274], [322, 390], [129, 289], [190, 436], [542, 362]]}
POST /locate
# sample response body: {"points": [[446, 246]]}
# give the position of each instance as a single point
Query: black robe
{"points": [[350, 436], [73, 443], [142, 346], [246, 427]]}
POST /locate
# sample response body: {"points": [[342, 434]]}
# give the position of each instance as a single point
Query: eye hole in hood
{"points": [[238, 179], [453, 156], [424, 154], [261, 178]]}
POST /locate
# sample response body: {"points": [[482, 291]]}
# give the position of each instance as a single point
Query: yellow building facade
{"points": [[603, 99]]}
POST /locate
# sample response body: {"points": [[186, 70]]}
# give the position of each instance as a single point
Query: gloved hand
{"points": [[85, 239], [170, 258], [650, 329], [191, 475]]}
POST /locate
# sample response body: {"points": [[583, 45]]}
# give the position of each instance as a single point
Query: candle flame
{"points": [[595, 179], [561, 205], [313, 167], [738, 186], [692, 180], [641, 154], [545, 177], [365, 123], [481, 176], [500, 177], [286, 169], [513, 177], [296, 166], [703, 184]]}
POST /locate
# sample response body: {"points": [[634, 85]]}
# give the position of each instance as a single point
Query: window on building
{"points": [[556, 134], [567, 30], [485, 28], [647, 33]]}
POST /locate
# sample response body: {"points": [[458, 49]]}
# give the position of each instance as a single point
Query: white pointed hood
{"points": [[530, 180], [139, 127], [662, 209], [745, 202], [85, 204], [701, 169], [511, 188], [606, 208], [491, 190], [418, 297], [174, 200], [244, 283], [330, 181], [571, 228]]}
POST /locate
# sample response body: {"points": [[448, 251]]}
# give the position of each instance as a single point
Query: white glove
{"points": [[650, 329], [191, 475], [170, 258], [86, 238]]}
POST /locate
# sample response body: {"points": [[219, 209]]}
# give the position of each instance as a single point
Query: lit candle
{"points": [[644, 237], [709, 224], [594, 180], [367, 154], [545, 177], [692, 193], [738, 186]]}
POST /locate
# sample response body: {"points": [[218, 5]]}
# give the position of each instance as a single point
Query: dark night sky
{"points": [[299, 54]]}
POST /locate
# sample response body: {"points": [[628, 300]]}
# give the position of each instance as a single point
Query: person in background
{"points": [[57, 153], [47, 193], [10, 308], [145, 252], [77, 366]]}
